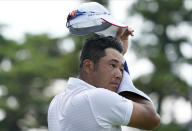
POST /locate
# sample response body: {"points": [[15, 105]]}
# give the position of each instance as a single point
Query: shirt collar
{"points": [[76, 82]]}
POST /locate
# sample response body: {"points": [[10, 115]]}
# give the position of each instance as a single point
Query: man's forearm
{"points": [[134, 97], [147, 117]]}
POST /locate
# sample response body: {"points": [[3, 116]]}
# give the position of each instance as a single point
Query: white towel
{"points": [[127, 84]]}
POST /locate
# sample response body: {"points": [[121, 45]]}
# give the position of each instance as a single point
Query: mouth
{"points": [[115, 84]]}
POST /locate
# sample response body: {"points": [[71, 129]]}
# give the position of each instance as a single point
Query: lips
{"points": [[115, 84]]}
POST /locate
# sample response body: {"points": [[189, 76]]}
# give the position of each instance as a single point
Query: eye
{"points": [[113, 65]]}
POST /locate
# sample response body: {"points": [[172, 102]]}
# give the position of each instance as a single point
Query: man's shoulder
{"points": [[94, 92], [103, 95], [101, 91]]}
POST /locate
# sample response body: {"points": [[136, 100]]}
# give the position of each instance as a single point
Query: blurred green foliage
{"points": [[34, 64], [162, 14], [38, 60], [173, 127], [103, 2], [163, 49]]}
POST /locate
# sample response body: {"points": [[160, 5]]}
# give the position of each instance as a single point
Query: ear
{"points": [[88, 66]]}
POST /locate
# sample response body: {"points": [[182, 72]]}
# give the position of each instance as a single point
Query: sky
{"points": [[35, 17], [44, 16], [48, 16]]}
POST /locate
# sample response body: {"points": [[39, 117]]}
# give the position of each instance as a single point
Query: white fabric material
{"points": [[83, 107], [127, 84], [111, 31], [100, 13], [88, 23], [94, 15]]}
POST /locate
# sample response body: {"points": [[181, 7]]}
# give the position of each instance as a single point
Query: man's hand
{"points": [[123, 38]]}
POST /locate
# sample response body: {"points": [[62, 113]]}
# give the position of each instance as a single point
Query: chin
{"points": [[114, 89]]}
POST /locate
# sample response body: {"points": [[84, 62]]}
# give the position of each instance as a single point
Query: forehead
{"points": [[113, 54]]}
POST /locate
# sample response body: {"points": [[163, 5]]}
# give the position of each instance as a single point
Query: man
{"points": [[90, 102]]}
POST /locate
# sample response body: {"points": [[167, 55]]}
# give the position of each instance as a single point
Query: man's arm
{"points": [[122, 37], [143, 115]]}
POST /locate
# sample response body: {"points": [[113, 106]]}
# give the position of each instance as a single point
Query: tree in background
{"points": [[29, 67], [102, 2], [26, 70], [161, 42]]}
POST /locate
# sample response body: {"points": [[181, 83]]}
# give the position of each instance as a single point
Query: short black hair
{"points": [[94, 48]]}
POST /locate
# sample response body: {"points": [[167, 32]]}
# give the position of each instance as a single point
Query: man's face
{"points": [[109, 70]]}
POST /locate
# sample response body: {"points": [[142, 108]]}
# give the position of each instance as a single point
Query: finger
{"points": [[131, 31], [118, 34], [125, 35]]}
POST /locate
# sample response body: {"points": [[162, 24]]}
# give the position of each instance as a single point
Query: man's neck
{"points": [[86, 79]]}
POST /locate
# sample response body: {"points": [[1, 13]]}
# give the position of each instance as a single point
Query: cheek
{"points": [[106, 74]]}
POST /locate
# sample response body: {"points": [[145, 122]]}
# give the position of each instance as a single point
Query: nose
{"points": [[118, 74]]}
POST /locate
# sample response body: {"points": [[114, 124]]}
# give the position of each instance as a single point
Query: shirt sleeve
{"points": [[109, 108]]}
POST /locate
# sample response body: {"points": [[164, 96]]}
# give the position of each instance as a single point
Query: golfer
{"points": [[90, 101]]}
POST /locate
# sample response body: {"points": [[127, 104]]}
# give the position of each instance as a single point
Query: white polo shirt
{"points": [[83, 107]]}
